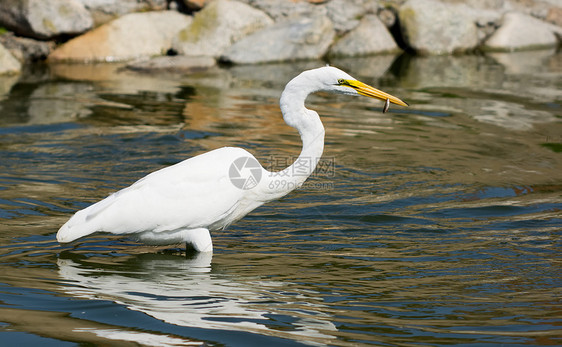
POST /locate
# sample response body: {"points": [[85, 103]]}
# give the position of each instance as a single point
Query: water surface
{"points": [[436, 224]]}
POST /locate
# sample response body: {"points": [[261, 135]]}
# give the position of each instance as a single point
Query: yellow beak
{"points": [[367, 90]]}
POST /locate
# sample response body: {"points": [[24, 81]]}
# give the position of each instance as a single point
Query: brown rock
{"points": [[554, 16], [129, 37]]}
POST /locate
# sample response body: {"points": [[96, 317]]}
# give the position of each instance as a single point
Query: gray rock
{"points": [[535, 8], [104, 11], [129, 37], [8, 64], [300, 38], [370, 37], [345, 13], [173, 64], [44, 19], [281, 11], [482, 4], [25, 49], [433, 27], [387, 16], [520, 32], [217, 26]]}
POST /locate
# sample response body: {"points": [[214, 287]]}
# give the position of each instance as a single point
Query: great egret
{"points": [[183, 202]]}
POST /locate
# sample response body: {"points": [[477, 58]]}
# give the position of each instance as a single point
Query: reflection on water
{"points": [[439, 223], [183, 292]]}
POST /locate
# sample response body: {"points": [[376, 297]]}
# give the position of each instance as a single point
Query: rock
{"points": [[6, 84], [173, 64], [300, 38], [104, 11], [44, 19], [535, 8], [433, 27], [388, 17], [482, 4], [129, 37], [554, 16], [284, 10], [370, 37], [217, 26], [520, 32], [8, 64], [25, 49], [344, 14]]}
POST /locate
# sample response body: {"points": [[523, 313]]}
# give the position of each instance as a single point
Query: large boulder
{"points": [[434, 27], [132, 36], [300, 38], [8, 64], [520, 32], [370, 37], [217, 26], [42, 19]]}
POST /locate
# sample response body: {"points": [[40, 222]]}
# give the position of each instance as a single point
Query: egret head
{"points": [[337, 81], [326, 79]]}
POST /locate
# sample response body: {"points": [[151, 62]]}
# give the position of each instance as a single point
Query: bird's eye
{"points": [[343, 82]]}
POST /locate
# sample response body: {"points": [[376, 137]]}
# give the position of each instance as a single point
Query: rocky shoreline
{"points": [[192, 34]]}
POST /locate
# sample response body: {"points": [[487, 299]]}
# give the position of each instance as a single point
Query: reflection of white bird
{"points": [[197, 298], [181, 203]]}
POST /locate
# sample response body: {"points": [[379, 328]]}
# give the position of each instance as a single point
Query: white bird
{"points": [[183, 202]]}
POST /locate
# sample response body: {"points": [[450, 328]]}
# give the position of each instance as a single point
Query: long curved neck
{"points": [[305, 164], [311, 130]]}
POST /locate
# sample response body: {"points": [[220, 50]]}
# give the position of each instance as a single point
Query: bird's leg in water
{"points": [[198, 239]]}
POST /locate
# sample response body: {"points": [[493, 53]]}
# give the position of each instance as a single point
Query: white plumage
{"points": [[182, 202]]}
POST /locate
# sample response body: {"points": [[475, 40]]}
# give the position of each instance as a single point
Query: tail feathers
{"points": [[76, 227], [86, 221]]}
